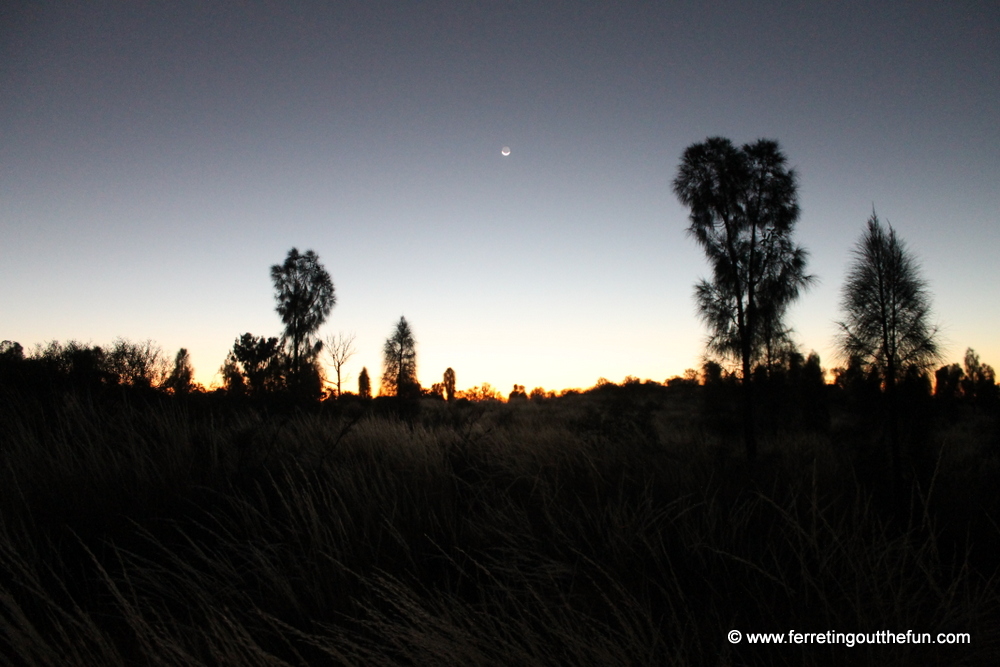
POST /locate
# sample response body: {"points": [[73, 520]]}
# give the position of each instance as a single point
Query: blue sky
{"points": [[158, 158]]}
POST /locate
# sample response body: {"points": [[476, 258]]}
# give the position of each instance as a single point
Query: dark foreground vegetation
{"points": [[620, 526]]}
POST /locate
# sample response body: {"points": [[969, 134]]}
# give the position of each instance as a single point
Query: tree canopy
{"points": [[305, 296]]}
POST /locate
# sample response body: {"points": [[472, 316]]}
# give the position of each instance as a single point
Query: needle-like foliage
{"points": [[399, 361], [886, 306], [886, 322], [744, 206]]}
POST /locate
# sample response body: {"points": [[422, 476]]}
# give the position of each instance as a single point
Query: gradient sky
{"points": [[156, 158]]}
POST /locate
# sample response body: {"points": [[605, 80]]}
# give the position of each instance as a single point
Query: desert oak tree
{"points": [[886, 324], [399, 361], [744, 206], [364, 384], [449, 384], [305, 296]]}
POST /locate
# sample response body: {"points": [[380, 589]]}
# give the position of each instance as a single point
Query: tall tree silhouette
{"points": [[449, 384], [399, 362], [364, 384], [886, 323], [744, 206], [305, 296], [181, 379]]}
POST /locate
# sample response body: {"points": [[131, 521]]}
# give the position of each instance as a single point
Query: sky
{"points": [[157, 158]]}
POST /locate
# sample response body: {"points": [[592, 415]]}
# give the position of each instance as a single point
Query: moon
{"points": [[505, 151]]}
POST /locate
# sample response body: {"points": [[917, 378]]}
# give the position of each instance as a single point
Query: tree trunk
{"points": [[892, 416], [749, 430]]}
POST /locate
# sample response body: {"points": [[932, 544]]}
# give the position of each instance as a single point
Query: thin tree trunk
{"points": [[747, 343], [749, 430], [892, 415]]}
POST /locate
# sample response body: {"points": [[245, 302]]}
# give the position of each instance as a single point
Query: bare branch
{"points": [[340, 349]]}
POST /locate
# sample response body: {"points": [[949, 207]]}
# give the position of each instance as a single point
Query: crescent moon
{"points": [[505, 151]]}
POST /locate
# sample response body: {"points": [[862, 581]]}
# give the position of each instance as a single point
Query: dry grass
{"points": [[563, 533]]}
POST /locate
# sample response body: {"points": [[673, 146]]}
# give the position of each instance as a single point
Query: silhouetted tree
{"points": [[517, 393], [858, 388], [82, 365], [181, 378], [855, 374], [720, 395], [744, 207], [979, 385], [12, 366], [484, 393], [306, 380], [886, 321], [711, 373], [364, 384], [813, 395], [11, 351], [796, 392], [539, 394], [449, 384], [399, 362], [233, 379], [254, 366], [948, 382], [948, 390], [305, 296], [341, 349], [136, 364]]}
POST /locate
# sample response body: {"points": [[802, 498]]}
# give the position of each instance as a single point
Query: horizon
{"points": [[160, 159]]}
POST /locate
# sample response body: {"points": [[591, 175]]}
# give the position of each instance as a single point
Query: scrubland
{"points": [[584, 530]]}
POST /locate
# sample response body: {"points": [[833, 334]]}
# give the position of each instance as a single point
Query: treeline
{"points": [[74, 365], [795, 390]]}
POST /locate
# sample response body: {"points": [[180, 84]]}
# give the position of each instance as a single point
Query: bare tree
{"points": [[744, 206], [886, 322], [340, 349]]}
